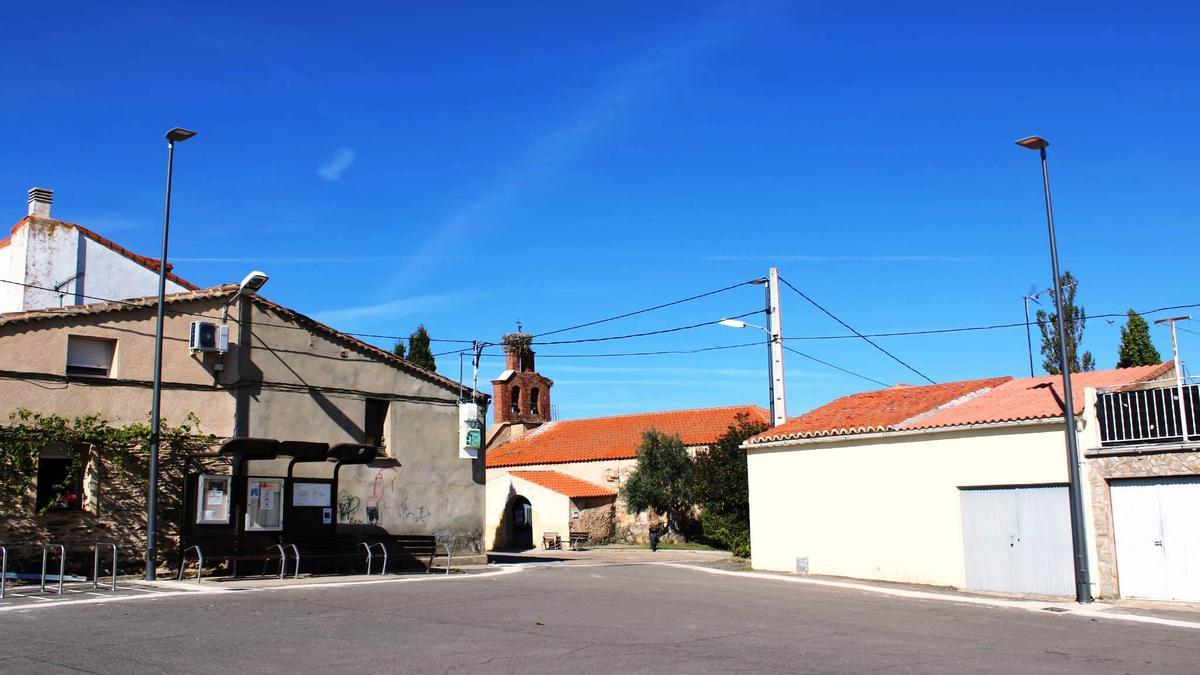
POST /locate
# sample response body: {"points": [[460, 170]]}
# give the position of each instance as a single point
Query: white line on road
{"points": [[165, 589], [1092, 611]]}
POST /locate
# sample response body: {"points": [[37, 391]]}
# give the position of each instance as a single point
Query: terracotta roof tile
{"points": [[1031, 398], [954, 404], [874, 411], [617, 437], [564, 484]]}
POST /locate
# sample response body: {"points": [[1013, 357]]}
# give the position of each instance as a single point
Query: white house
{"points": [[960, 484], [48, 263]]}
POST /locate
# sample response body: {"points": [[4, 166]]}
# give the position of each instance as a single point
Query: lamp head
{"points": [[732, 323], [178, 135], [1034, 143], [252, 283]]}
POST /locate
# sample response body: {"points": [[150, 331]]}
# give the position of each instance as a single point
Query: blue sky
{"points": [[466, 165]]}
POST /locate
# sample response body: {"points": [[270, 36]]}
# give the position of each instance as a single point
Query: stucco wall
{"points": [[41, 348], [315, 389], [47, 253], [551, 510], [887, 508]]}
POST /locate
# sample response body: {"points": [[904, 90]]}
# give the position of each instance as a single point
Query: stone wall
{"points": [[114, 510], [596, 517], [1103, 470]]}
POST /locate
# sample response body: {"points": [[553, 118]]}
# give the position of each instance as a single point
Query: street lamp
{"points": [[1075, 490], [772, 341], [249, 286], [174, 136]]}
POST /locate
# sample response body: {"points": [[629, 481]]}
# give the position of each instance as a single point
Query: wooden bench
{"points": [[233, 550], [413, 547], [579, 539], [551, 540]]}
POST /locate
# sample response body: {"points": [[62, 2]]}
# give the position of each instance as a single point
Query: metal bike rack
{"points": [[96, 564], [296, 553], [370, 548], [62, 564], [3, 569], [382, 570], [282, 558], [199, 559], [449, 558]]}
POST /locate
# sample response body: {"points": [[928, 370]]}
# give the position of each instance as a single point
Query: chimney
{"points": [[39, 201]]}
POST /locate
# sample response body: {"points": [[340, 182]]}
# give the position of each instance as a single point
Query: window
{"points": [[377, 410], [514, 404], [533, 401], [59, 488], [264, 504], [212, 500], [89, 357]]}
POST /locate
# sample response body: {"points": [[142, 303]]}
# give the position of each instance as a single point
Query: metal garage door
{"points": [[1018, 540], [1157, 526]]}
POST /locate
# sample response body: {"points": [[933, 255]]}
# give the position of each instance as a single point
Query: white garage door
{"points": [[1157, 526], [1018, 540]]}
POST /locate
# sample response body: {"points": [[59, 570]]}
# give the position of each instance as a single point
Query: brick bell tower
{"points": [[520, 395]]}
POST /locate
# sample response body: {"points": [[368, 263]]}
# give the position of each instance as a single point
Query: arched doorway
{"points": [[520, 514]]}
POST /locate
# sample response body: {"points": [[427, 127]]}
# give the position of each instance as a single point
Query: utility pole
{"points": [[1183, 429], [775, 350]]}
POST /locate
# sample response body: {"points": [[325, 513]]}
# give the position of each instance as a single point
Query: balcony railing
{"points": [[1149, 414]]}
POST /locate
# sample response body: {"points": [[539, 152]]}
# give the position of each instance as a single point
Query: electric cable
{"points": [[647, 333], [849, 372], [848, 327], [647, 309]]}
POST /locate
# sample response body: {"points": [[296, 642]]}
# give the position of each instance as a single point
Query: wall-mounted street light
{"points": [[174, 136], [1083, 592], [249, 286]]}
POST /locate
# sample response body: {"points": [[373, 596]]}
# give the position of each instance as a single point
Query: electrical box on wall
{"points": [[208, 337], [470, 431]]}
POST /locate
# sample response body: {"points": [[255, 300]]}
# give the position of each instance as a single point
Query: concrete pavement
{"points": [[582, 616]]}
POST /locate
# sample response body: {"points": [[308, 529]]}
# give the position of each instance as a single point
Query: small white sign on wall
{"points": [[311, 494]]}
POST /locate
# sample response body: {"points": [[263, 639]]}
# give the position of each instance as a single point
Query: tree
{"points": [[721, 485], [419, 353], [662, 479], [1136, 348], [398, 348], [1074, 318]]}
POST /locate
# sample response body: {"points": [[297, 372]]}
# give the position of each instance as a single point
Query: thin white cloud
{"points": [[840, 258], [597, 116], [423, 304], [338, 165]]}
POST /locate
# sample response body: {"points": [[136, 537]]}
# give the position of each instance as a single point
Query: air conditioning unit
{"points": [[208, 337]]}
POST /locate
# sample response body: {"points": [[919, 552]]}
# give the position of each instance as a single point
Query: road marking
{"points": [[1091, 611], [169, 589]]}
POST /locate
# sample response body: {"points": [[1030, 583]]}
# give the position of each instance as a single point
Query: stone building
{"points": [[557, 476], [284, 376]]}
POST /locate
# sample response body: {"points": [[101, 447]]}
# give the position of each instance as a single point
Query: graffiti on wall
{"points": [[347, 506]]}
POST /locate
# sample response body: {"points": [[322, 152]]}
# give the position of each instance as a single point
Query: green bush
{"points": [[727, 531]]}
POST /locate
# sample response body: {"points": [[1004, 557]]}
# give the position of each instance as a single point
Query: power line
{"points": [[647, 309], [612, 355], [647, 333], [1019, 324], [848, 327], [849, 372]]}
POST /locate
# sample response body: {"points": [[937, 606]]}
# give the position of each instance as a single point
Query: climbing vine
{"points": [[82, 437]]}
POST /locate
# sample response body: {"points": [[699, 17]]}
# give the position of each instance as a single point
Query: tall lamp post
{"points": [[174, 136], [1078, 538]]}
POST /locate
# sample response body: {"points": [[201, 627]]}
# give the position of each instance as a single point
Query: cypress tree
{"points": [[1136, 347], [419, 353]]}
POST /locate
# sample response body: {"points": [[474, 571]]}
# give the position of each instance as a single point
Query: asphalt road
{"points": [[583, 619]]}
